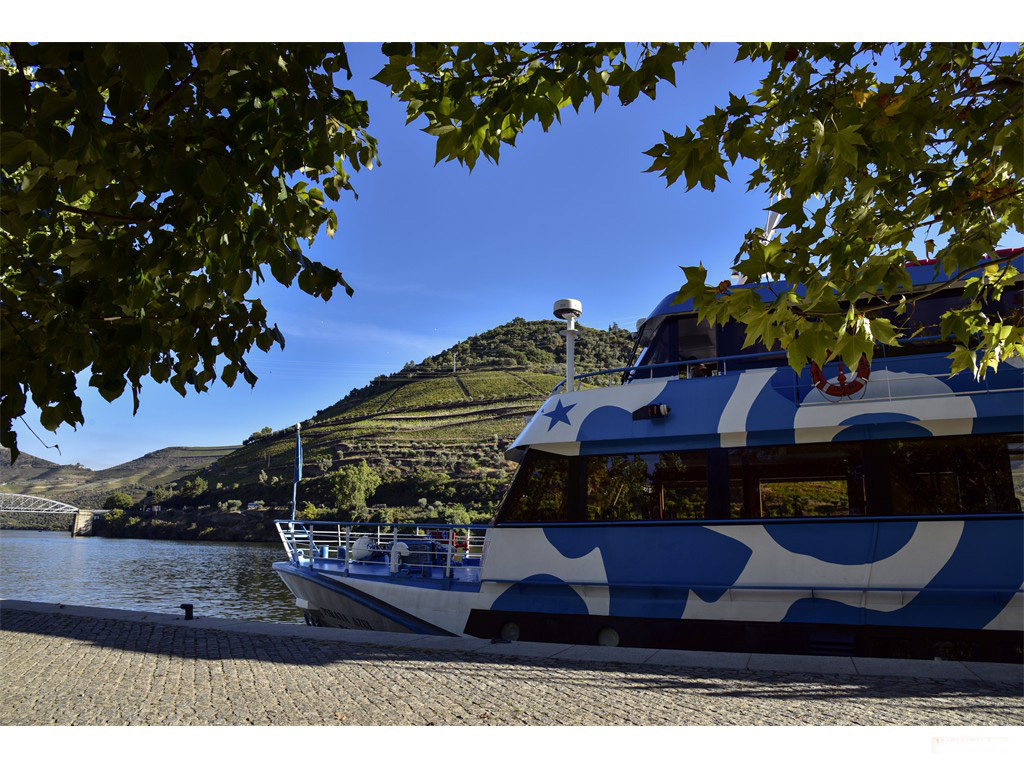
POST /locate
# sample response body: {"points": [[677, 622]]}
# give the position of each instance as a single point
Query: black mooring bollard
{"points": [[187, 607]]}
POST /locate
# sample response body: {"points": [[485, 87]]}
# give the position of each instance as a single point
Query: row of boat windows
{"points": [[971, 474]]}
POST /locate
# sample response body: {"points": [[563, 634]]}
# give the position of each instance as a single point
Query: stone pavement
{"points": [[84, 666]]}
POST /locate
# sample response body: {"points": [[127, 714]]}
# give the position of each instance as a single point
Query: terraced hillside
{"points": [[84, 487], [432, 435]]}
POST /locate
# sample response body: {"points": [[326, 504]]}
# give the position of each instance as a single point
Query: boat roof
{"points": [[924, 275]]}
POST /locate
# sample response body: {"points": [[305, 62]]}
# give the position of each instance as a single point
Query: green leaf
{"points": [[242, 284], [963, 359], [155, 58], [845, 143], [883, 331], [396, 49], [212, 180]]}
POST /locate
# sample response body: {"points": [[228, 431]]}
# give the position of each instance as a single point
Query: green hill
{"points": [[87, 488], [429, 432]]}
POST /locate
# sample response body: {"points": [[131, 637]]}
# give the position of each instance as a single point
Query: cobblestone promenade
{"points": [[74, 670]]}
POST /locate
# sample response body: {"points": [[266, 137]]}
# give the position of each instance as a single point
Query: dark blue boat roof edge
{"points": [[926, 275]]}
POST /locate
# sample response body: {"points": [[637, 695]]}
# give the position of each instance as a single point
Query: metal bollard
{"points": [[187, 607]]}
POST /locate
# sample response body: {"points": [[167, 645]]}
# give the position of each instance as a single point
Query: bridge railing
{"points": [[20, 502]]}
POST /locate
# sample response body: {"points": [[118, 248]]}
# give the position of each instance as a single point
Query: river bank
{"points": [[181, 527], [122, 668], [228, 525], [35, 521], [191, 525]]}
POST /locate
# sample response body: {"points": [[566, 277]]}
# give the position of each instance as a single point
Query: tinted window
{"points": [[540, 492], [680, 339], [1016, 456], [650, 486], [928, 476], [819, 480], [957, 475]]}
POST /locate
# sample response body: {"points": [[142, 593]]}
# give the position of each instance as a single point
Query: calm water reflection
{"points": [[221, 579]]}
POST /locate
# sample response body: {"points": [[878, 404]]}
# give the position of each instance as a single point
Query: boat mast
{"points": [[569, 310], [298, 468]]}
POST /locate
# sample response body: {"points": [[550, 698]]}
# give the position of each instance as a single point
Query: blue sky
{"points": [[436, 253]]}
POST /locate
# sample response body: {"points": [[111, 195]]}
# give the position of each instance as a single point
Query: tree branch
{"points": [[167, 98], [101, 215]]}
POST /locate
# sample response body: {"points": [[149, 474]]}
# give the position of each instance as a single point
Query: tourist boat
{"points": [[713, 498]]}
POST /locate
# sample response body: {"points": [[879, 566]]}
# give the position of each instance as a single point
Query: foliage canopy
{"points": [[146, 187], [354, 484], [118, 500]]}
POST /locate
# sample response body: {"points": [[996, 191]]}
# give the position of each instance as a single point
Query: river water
{"points": [[221, 579]]}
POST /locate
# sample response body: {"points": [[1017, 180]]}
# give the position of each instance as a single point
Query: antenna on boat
{"points": [[773, 219], [569, 310], [769, 232]]}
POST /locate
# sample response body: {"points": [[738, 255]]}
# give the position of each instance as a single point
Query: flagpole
{"points": [[298, 468]]}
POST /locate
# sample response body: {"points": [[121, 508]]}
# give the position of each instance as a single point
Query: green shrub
{"points": [[118, 500], [312, 512], [354, 484]]}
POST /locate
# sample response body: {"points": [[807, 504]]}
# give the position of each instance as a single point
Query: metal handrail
{"points": [[724, 359], [318, 543]]}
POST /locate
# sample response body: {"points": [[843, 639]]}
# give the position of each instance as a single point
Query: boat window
{"points": [[649, 486], [954, 475], [818, 480], [539, 492], [731, 337], [1015, 451], [968, 474], [664, 348], [679, 339]]}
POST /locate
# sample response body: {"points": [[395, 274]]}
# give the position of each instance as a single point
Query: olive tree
{"points": [[354, 484]]}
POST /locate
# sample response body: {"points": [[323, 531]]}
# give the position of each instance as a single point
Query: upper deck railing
{"points": [[689, 363], [722, 364]]}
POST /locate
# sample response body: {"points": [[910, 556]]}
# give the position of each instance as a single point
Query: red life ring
{"points": [[844, 387]]}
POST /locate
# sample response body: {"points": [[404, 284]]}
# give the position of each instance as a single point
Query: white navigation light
{"points": [[569, 310]]}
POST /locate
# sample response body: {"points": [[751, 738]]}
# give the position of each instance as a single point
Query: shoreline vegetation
{"points": [[233, 525], [423, 445]]}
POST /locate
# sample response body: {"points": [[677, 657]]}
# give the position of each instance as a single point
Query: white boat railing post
{"points": [[348, 549], [448, 557], [394, 549]]}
